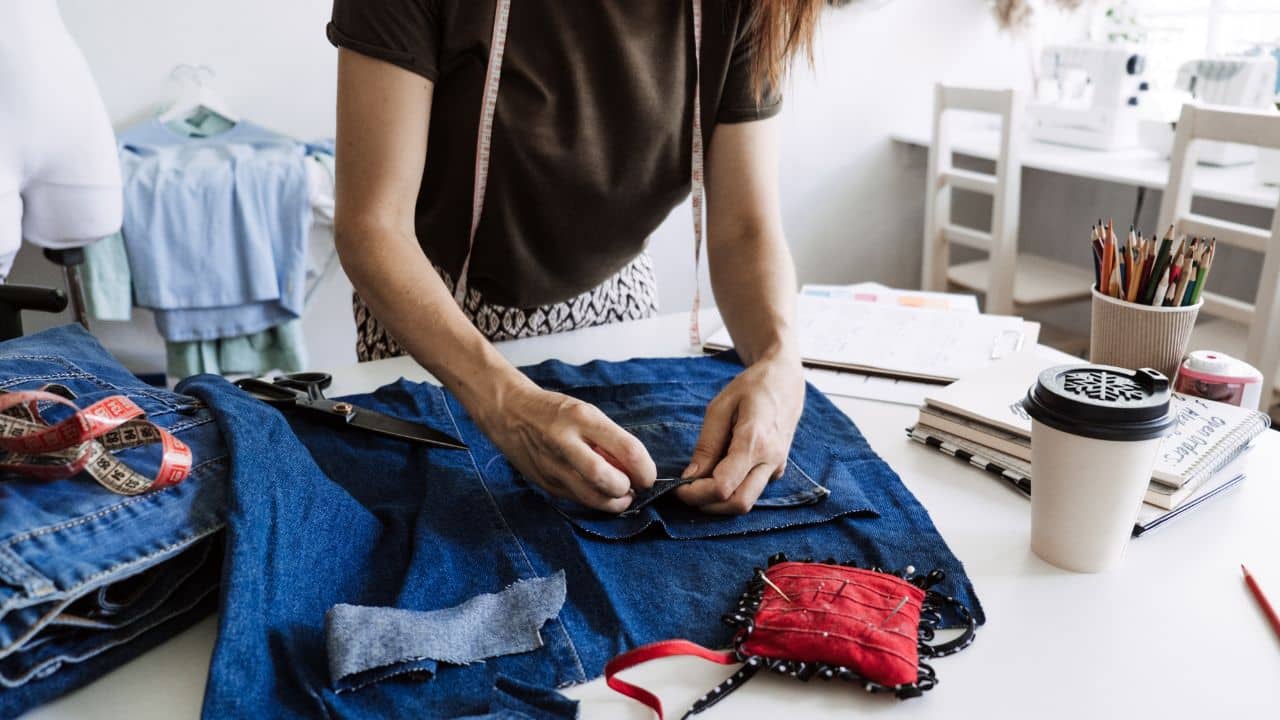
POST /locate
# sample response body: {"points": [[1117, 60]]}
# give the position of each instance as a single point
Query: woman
{"points": [[501, 165]]}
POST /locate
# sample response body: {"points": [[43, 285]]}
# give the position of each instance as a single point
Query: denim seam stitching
{"points": [[729, 533], [19, 571], [169, 405], [55, 376], [178, 579], [98, 651], [75, 371], [43, 620], [103, 512], [184, 425], [577, 659], [675, 423]]}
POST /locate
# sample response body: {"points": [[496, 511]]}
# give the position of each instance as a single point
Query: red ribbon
{"points": [[653, 651]]}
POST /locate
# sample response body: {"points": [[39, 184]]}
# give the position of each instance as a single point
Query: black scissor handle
{"points": [[274, 394], [312, 383]]}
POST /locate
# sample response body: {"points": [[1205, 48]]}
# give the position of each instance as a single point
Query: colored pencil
{"points": [[1097, 264], [1148, 263], [1158, 291], [1183, 278], [1186, 295], [1158, 269], [1136, 281], [1205, 266], [1103, 287], [1261, 598]]}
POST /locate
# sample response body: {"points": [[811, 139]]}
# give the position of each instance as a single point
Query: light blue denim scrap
{"points": [[361, 638]]}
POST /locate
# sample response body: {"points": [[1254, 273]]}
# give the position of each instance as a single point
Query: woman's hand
{"points": [[746, 437], [567, 447]]}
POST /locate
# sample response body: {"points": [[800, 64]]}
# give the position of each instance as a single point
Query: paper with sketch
{"points": [[876, 293], [900, 341]]}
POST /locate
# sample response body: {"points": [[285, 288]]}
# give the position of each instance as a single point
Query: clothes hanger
{"points": [[196, 95]]}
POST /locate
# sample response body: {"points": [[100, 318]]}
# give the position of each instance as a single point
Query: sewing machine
{"points": [[1088, 96], [1244, 82]]}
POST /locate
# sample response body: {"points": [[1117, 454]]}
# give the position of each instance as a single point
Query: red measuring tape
{"points": [[85, 441]]}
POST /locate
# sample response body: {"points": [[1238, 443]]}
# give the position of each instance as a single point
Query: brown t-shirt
{"points": [[591, 138]]}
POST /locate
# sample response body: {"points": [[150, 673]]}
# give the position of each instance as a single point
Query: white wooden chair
{"points": [[1007, 278], [1250, 331]]}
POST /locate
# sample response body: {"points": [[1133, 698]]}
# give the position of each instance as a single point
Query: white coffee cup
{"points": [[1095, 431]]}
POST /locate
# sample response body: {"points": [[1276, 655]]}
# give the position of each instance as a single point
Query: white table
{"points": [[1173, 634], [1138, 166]]}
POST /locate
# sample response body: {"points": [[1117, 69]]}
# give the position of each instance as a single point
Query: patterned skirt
{"points": [[630, 294]]}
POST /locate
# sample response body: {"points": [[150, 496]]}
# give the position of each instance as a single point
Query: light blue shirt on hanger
{"points": [[215, 227]]}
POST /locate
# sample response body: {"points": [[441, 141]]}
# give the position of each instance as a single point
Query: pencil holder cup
{"points": [[1131, 335]]}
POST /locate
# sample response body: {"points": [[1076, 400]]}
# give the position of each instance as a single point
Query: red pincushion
{"points": [[842, 616], [808, 620]]}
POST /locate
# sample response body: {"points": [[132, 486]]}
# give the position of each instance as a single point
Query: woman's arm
{"points": [[383, 118], [748, 428]]}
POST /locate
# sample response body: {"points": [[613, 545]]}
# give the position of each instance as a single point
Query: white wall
{"points": [[852, 200], [271, 59]]}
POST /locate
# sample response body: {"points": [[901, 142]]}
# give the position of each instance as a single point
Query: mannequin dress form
{"points": [[59, 168]]}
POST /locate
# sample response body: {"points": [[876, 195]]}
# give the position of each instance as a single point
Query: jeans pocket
{"points": [[32, 372], [814, 488]]}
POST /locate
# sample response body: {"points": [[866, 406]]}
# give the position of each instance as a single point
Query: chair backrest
{"points": [[1004, 187], [1260, 129]]}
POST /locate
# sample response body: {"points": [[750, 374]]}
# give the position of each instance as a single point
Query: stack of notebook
{"points": [[980, 419]]}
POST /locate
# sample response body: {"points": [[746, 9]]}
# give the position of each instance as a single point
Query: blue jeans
{"points": [[88, 578], [318, 517]]}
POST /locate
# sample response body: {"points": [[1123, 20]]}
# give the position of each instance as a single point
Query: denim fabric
{"points": [[362, 640], [318, 518], [85, 573]]}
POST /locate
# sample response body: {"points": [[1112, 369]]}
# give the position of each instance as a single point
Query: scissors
{"points": [[305, 391]]}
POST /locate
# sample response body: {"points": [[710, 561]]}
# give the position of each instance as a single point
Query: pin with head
{"points": [[777, 589], [895, 610]]}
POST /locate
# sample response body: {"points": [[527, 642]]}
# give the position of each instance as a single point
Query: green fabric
{"points": [[279, 348], [108, 284]]}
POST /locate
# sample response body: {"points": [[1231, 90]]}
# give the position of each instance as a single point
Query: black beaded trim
{"points": [[743, 618]]}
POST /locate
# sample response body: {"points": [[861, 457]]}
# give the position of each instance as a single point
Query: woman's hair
{"points": [[780, 30]]}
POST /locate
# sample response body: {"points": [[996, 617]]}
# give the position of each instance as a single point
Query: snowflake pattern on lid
{"points": [[1102, 385]]}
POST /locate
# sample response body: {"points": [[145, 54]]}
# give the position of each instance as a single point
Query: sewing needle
{"points": [[769, 582], [895, 610]]}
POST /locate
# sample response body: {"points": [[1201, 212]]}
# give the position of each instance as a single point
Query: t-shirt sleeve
{"points": [[738, 102], [406, 33]]}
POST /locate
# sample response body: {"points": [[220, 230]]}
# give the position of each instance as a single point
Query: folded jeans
{"points": [[84, 571]]}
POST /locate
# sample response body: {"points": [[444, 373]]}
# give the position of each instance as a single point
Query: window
{"points": [[1179, 30]]}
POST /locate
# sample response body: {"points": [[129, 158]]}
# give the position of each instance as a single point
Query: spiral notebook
{"points": [[1160, 504], [985, 408]]}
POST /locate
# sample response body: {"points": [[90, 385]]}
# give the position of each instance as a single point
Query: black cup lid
{"points": [[1100, 401]]}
